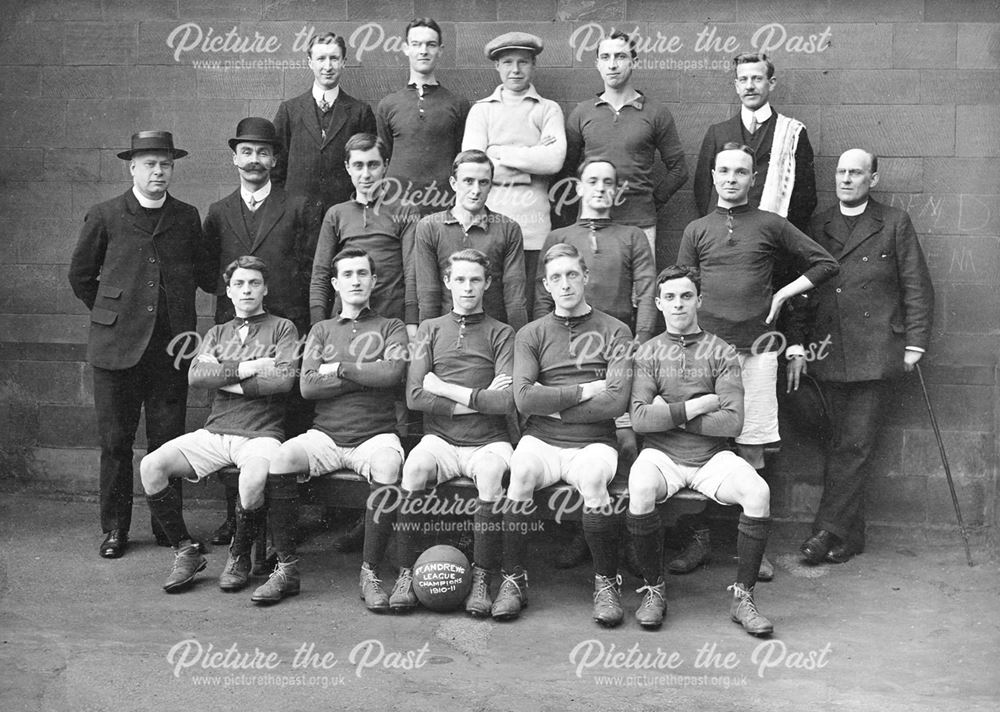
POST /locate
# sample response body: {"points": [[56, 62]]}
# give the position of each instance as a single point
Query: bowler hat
{"points": [[162, 141], [808, 409], [254, 129], [513, 40]]}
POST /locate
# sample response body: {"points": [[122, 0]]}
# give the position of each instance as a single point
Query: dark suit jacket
{"points": [[117, 270], [285, 239], [881, 301], [803, 200], [313, 166]]}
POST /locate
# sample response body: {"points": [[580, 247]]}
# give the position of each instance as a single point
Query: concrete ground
{"points": [[895, 629]]}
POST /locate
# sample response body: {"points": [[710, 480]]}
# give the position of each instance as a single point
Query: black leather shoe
{"points": [[842, 553], [114, 544], [353, 540], [815, 548]]}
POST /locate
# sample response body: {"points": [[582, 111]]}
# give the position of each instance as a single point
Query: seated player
{"points": [[687, 400], [249, 362], [460, 377], [352, 367], [572, 377]]}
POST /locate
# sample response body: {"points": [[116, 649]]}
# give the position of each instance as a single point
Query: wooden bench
{"points": [[561, 502]]}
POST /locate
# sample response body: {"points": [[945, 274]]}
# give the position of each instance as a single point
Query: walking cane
{"points": [[944, 461]]}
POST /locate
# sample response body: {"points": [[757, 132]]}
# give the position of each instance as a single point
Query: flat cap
{"points": [[513, 40]]}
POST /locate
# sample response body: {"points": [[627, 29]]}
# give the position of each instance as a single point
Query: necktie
{"points": [[324, 105], [254, 204], [753, 124]]}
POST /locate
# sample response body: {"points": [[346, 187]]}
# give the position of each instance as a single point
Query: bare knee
{"points": [[593, 485], [253, 479], [385, 465], [757, 498], [154, 473], [418, 470], [489, 478], [644, 487], [525, 471]]}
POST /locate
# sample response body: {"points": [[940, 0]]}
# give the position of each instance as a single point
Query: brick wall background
{"points": [[914, 80]]}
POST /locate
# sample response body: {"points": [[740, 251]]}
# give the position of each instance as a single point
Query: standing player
{"points": [[249, 363], [470, 224], [625, 127], [460, 377], [422, 124], [735, 249], [572, 377], [687, 399], [352, 367]]}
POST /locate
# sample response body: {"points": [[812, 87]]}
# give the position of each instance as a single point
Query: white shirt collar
{"points": [[762, 114], [146, 202], [257, 195], [330, 94], [853, 211]]}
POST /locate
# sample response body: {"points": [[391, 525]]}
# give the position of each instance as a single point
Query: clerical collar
{"points": [[762, 114], [146, 202], [736, 209], [239, 321], [257, 196], [853, 211], [468, 318], [319, 94]]}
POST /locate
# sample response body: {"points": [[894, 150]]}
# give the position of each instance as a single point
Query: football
{"points": [[442, 578]]}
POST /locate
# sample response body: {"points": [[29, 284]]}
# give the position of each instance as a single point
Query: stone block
{"points": [[59, 11], [85, 195], [239, 83], [805, 498], [530, 10], [54, 328], [944, 214], [381, 10], [707, 11], [958, 175], [21, 164], [61, 164], [83, 82], [195, 124], [960, 260], [219, 9], [876, 86], [957, 407], [73, 470], [896, 130], [970, 454], [24, 288], [101, 123], [32, 122], [67, 426], [897, 499], [972, 308], [967, 86], [329, 10], [973, 502], [785, 11], [978, 46], [18, 417], [43, 240], [461, 10], [923, 45], [92, 43], [178, 82], [714, 87], [20, 82], [474, 83], [47, 381], [963, 11], [472, 37], [120, 10], [20, 45], [27, 199], [977, 130]]}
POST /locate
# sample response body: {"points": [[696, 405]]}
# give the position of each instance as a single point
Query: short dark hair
{"points": [[473, 155], [620, 35], [365, 142], [327, 38], [595, 159], [422, 22], [349, 253], [564, 249], [677, 272], [734, 146], [753, 58], [468, 255], [245, 262]]}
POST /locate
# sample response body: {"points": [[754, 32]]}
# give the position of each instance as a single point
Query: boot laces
{"points": [[608, 592], [652, 592]]}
